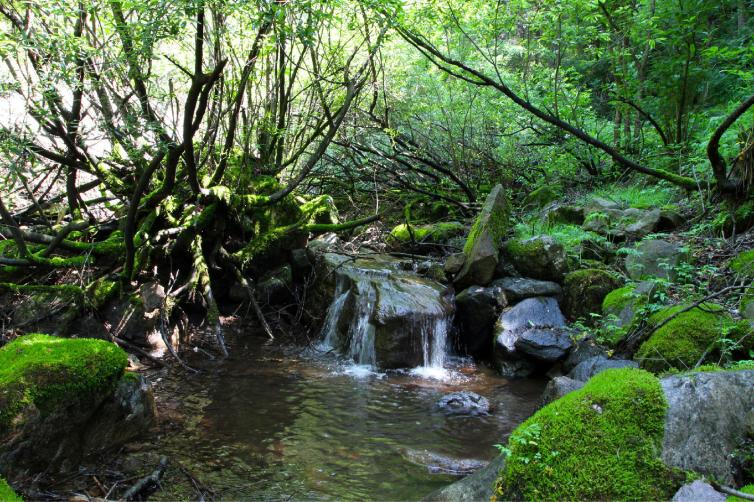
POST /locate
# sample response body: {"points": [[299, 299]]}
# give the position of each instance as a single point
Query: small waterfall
{"points": [[330, 328], [361, 331], [406, 316], [434, 349]]}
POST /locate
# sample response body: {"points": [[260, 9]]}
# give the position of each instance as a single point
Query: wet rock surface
{"points": [[464, 403], [477, 309], [534, 316]]}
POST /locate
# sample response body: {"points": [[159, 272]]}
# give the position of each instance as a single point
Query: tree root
{"points": [[148, 484], [249, 290]]}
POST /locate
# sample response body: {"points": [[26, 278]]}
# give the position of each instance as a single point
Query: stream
{"points": [[272, 423], [323, 422]]}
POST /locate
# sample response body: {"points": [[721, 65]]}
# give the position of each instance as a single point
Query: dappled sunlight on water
{"points": [[310, 425]]}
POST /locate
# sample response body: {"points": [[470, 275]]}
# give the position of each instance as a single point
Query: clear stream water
{"points": [[292, 423], [276, 422]]}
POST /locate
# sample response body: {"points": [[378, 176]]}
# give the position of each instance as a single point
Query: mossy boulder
{"points": [[601, 442], [7, 494], [655, 258], [433, 233], [540, 257], [540, 197], [620, 306], [585, 290], [50, 390], [743, 264], [482, 246], [565, 214], [688, 337]]}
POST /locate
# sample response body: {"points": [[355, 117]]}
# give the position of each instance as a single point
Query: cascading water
{"points": [[383, 317]]}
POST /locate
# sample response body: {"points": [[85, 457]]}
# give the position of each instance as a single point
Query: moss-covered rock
{"points": [[49, 389], [540, 197], [432, 233], [48, 372], [7, 494], [619, 309], [601, 442], [584, 291], [482, 246], [743, 264], [687, 337], [540, 257]]}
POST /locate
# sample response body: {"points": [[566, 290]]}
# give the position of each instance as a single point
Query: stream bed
{"points": [[293, 423]]}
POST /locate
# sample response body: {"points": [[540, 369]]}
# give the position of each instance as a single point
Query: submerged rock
{"points": [[473, 488], [441, 464], [483, 243], [464, 403]]}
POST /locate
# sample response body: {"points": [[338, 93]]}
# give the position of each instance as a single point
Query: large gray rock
{"points": [[606, 218], [473, 488], [590, 367], [655, 258], [483, 243], [520, 288], [540, 257], [464, 403], [454, 263], [706, 420], [477, 309], [544, 344], [698, 491], [531, 314], [559, 387]]}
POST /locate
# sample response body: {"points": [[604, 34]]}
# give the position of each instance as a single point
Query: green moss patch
{"points": [[743, 264], [436, 232], [686, 338], [601, 442], [47, 371], [7, 494]]}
